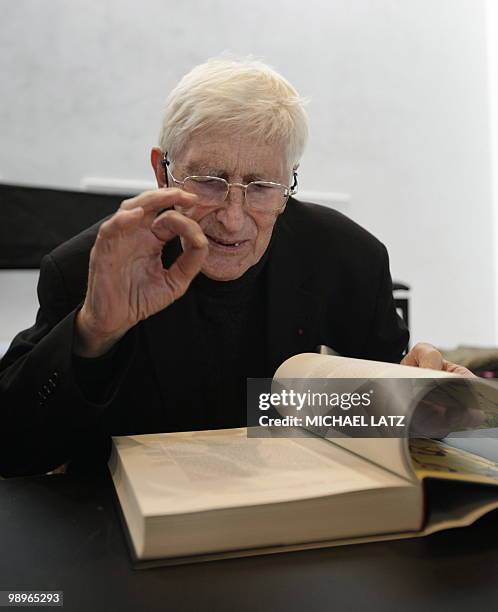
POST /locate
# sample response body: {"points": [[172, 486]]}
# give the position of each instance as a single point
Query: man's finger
{"points": [[172, 223], [158, 199], [179, 276], [448, 366], [183, 271], [424, 355], [122, 222]]}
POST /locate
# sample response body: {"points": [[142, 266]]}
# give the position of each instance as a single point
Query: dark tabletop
{"points": [[63, 533]]}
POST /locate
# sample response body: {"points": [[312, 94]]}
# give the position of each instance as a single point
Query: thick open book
{"points": [[193, 496]]}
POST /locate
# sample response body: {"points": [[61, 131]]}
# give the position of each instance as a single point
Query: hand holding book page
{"points": [[424, 355], [434, 402]]}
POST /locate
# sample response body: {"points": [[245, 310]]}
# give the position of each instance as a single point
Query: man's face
{"points": [[238, 237]]}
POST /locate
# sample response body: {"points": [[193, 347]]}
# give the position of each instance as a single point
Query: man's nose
{"points": [[233, 213]]}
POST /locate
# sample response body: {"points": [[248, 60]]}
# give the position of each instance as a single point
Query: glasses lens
{"points": [[210, 190], [265, 196]]}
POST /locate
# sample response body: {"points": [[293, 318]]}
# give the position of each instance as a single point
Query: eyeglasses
{"points": [[260, 196]]}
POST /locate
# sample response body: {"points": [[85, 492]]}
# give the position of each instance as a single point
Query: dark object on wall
{"points": [[33, 220], [401, 301]]}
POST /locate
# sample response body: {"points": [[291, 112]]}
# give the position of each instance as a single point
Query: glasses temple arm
{"points": [[293, 187], [165, 163]]}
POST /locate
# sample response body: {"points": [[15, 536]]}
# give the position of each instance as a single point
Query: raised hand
{"points": [[127, 281]]}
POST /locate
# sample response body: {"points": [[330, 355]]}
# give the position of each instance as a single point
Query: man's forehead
{"points": [[206, 166], [232, 155]]}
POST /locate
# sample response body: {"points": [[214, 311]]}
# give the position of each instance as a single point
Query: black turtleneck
{"points": [[232, 317]]}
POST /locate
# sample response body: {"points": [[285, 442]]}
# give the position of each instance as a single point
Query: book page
{"points": [[389, 453], [195, 471], [313, 365], [435, 403], [481, 442], [435, 459]]}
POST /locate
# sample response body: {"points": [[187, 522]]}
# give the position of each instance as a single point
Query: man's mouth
{"points": [[226, 244]]}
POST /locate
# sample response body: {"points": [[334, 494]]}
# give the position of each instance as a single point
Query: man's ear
{"points": [[156, 157]]}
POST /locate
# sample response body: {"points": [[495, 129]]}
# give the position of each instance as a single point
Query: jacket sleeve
{"points": [[389, 336], [43, 411]]}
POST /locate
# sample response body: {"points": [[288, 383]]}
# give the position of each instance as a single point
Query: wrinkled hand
{"points": [[127, 282], [424, 355]]}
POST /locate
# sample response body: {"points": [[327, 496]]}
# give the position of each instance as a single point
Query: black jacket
{"points": [[328, 282]]}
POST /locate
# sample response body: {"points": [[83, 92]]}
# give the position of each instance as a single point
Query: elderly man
{"points": [[153, 319]]}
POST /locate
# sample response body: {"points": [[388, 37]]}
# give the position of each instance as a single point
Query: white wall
{"points": [[18, 303], [399, 116], [492, 48]]}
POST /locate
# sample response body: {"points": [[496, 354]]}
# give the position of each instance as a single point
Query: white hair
{"points": [[241, 94]]}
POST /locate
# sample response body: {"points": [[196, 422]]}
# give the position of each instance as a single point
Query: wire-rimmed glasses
{"points": [[260, 196]]}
